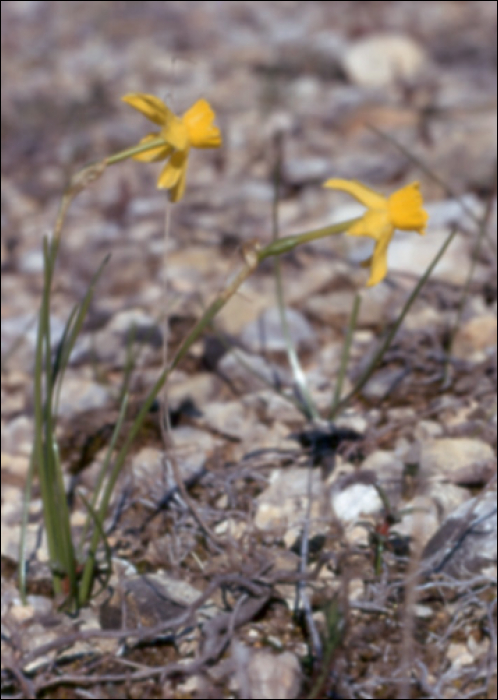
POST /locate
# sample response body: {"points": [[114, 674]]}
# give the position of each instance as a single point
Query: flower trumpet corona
{"points": [[194, 129], [402, 210]]}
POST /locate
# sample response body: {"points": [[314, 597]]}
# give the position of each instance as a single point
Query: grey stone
{"points": [[266, 332], [466, 543], [252, 371], [383, 59], [273, 676], [441, 457]]}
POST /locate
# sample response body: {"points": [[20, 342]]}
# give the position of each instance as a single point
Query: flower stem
{"points": [[134, 150], [288, 243]]}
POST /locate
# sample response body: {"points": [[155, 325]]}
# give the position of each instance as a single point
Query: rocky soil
{"points": [[354, 558]]}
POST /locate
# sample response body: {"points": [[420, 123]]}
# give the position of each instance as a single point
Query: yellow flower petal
{"points": [[177, 192], [405, 209], [363, 194], [150, 106], [373, 224], [378, 263], [176, 133], [199, 122], [173, 175], [154, 154]]}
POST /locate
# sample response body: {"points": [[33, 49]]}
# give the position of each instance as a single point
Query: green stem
{"points": [[346, 349], [305, 401], [288, 243], [392, 332], [253, 257], [135, 150]]}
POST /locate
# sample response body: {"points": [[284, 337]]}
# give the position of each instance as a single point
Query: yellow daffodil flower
{"points": [[193, 130], [402, 210]]}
